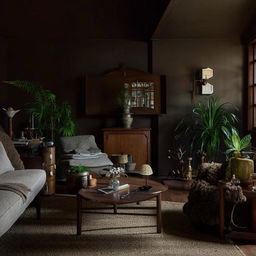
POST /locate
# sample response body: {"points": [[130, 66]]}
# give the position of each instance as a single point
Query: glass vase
{"points": [[114, 183]]}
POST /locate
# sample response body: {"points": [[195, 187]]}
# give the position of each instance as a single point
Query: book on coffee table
{"points": [[109, 189]]}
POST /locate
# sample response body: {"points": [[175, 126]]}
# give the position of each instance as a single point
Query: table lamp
{"points": [[10, 112], [122, 160], [145, 170]]}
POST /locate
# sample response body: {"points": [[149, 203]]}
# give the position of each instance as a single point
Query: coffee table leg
{"points": [[115, 208], [159, 213], [79, 215]]}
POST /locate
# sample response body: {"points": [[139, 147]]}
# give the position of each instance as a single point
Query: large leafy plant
{"points": [[53, 120], [234, 143], [203, 128]]}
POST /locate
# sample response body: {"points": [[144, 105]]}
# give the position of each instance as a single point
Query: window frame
{"points": [[251, 88]]}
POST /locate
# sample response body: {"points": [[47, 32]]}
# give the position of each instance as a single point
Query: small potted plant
{"points": [[77, 178]]}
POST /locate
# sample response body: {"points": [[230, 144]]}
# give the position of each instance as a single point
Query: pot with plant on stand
{"points": [[52, 119], [77, 178], [124, 101], [240, 166]]}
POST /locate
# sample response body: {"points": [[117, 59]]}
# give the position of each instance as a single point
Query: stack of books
{"points": [[110, 190]]}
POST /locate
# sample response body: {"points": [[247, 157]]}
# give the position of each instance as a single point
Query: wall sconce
{"points": [[205, 74], [202, 80]]}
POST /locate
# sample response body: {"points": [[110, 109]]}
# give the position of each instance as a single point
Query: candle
{"points": [[32, 121]]}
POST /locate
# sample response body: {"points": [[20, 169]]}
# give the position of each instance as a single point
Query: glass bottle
{"points": [[189, 170]]}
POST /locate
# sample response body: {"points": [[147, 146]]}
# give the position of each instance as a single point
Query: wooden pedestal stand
{"points": [[49, 165]]}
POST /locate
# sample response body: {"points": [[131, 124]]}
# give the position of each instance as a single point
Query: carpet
{"points": [[108, 234]]}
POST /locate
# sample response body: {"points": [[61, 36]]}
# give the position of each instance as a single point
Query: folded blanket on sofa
{"points": [[86, 156], [17, 188], [82, 155]]}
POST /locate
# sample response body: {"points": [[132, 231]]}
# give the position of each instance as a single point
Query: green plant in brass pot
{"points": [[77, 178], [79, 169], [239, 164]]}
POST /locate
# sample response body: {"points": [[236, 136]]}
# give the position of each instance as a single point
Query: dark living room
{"points": [[127, 127]]}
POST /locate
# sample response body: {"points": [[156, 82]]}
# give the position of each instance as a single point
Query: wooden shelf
{"points": [[101, 92]]}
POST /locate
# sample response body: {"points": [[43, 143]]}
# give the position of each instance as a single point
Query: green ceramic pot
{"points": [[241, 167]]}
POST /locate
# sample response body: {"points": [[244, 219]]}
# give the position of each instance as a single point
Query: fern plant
{"points": [[203, 129], [53, 120]]}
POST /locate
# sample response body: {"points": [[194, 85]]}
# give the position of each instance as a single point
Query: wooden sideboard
{"points": [[135, 142]]}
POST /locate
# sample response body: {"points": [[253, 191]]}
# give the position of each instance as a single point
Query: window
{"points": [[252, 85]]}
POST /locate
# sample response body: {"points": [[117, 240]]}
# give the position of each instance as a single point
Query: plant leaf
{"points": [[245, 142]]}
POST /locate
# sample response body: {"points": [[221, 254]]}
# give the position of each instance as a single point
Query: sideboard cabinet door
{"points": [[135, 142]]}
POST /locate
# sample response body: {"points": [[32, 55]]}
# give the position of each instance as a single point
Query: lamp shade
{"points": [[146, 169], [10, 112], [123, 159]]}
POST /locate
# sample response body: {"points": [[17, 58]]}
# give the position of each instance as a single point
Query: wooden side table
{"points": [[41, 158], [249, 234]]}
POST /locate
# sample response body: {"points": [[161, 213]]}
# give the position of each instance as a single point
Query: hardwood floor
{"points": [[248, 248]]}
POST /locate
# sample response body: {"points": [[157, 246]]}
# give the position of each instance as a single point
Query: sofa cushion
{"points": [[4, 160], [11, 151], [79, 144], [12, 205], [31, 178]]}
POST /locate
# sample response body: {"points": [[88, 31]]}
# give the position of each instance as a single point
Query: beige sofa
{"points": [[18, 188]]}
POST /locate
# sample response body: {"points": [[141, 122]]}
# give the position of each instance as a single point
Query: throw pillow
{"points": [[79, 144], [211, 172], [4, 160], [11, 151]]}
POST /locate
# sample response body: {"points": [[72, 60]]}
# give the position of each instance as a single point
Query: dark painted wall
{"points": [[3, 72], [60, 66], [179, 60]]}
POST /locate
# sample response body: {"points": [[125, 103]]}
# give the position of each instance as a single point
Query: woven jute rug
{"points": [[109, 234]]}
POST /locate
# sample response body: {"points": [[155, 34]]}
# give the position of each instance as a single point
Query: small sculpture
{"points": [[10, 112], [177, 154]]}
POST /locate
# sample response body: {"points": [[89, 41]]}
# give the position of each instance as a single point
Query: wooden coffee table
{"points": [[120, 198]]}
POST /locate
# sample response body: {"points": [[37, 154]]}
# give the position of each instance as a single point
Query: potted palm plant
{"points": [[239, 165], [53, 119], [203, 128]]}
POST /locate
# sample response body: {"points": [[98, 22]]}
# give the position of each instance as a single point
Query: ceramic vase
{"points": [[241, 167], [127, 121]]}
